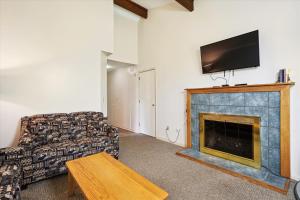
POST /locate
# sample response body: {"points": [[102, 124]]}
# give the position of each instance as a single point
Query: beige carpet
{"points": [[183, 179]]}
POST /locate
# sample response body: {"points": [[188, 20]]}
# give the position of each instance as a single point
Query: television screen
{"points": [[234, 53]]}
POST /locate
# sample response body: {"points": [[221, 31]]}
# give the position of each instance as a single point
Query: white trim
{"points": [[127, 129], [139, 115], [131, 130]]}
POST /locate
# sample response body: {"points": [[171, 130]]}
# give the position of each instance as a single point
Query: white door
{"points": [[147, 102]]}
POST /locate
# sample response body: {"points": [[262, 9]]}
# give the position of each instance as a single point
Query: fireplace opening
{"points": [[232, 137], [229, 137]]}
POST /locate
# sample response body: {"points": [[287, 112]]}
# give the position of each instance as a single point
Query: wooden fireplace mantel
{"points": [[242, 88], [283, 88]]}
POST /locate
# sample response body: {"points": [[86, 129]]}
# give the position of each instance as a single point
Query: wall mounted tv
{"points": [[234, 53]]}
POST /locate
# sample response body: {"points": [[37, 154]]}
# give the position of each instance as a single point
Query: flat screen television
{"points": [[234, 53]]}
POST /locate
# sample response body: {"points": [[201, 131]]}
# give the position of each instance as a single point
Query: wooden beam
{"points": [[188, 4], [132, 7]]}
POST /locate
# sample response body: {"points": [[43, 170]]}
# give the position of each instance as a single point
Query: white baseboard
{"points": [[157, 137], [166, 140], [127, 129]]}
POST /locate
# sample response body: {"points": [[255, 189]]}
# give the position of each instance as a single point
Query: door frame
{"points": [[155, 104]]}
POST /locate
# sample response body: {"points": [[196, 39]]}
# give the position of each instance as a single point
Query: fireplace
{"points": [[266, 143], [233, 137]]}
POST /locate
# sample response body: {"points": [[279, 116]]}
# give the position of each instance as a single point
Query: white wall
{"points": [[122, 98], [121, 84], [50, 58], [170, 39], [125, 36]]}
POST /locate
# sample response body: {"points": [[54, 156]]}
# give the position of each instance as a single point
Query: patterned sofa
{"points": [[47, 141], [10, 174]]}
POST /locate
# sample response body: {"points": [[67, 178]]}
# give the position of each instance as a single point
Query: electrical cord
{"points": [[177, 130], [297, 190], [220, 77]]}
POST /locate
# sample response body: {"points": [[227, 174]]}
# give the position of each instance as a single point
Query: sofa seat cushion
{"points": [[77, 131], [43, 153], [83, 143], [78, 126], [102, 141], [96, 144], [65, 148], [9, 182]]}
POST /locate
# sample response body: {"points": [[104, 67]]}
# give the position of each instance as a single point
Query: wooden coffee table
{"points": [[102, 177]]}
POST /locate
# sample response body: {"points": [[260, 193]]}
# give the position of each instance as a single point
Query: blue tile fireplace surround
{"points": [[263, 104]]}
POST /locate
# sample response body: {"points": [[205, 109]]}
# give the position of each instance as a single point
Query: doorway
{"points": [[147, 102], [122, 95]]}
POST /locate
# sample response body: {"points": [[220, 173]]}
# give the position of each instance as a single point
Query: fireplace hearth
{"points": [[232, 137]]}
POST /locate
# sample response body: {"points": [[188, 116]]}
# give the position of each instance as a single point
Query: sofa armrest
{"points": [[104, 129], [98, 129], [108, 133], [25, 140], [11, 155], [113, 132], [10, 178]]}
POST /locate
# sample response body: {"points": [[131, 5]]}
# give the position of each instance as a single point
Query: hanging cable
{"points": [[177, 130], [220, 77]]}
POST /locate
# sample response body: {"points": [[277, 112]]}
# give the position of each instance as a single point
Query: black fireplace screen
{"points": [[233, 138]]}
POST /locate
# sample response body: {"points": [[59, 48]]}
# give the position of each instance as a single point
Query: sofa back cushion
{"points": [[96, 125], [52, 128], [48, 128], [78, 124], [84, 119]]}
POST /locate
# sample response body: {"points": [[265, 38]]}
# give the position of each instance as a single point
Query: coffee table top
{"points": [[100, 176]]}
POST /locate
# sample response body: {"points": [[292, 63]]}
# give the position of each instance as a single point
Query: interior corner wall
{"points": [[170, 40], [50, 58], [123, 99], [103, 83]]}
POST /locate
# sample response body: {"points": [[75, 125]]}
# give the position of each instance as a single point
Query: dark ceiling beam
{"points": [[132, 7], [188, 4]]}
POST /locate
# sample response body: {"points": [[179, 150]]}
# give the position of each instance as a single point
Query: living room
{"points": [[128, 78]]}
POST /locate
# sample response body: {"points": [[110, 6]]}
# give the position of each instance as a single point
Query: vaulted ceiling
{"points": [[140, 7]]}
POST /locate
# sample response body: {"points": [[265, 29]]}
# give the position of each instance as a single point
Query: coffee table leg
{"points": [[71, 185]]}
